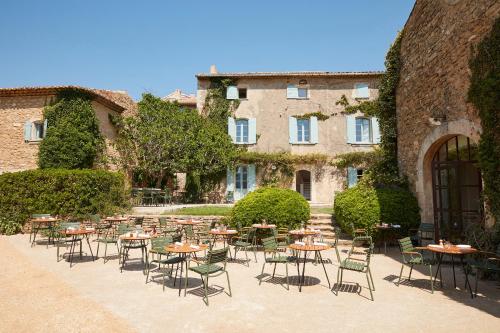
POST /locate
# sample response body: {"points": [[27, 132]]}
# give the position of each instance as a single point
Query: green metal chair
{"points": [[358, 232], [271, 247], [282, 238], [245, 241], [158, 249], [412, 258], [211, 269], [190, 234], [335, 243], [111, 236], [360, 265], [62, 240], [44, 229], [484, 262]]}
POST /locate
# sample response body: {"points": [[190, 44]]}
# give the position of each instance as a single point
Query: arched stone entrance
{"points": [[303, 183]]}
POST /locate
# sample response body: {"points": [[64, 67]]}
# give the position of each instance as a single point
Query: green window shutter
{"points": [[313, 123], [229, 180], [352, 177], [252, 131], [232, 92], [292, 91], [44, 128], [252, 179], [375, 130], [231, 128], [292, 129], [351, 128], [27, 131]]}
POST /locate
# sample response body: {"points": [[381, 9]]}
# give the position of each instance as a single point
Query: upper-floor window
{"points": [[241, 130], [234, 92], [296, 92], [361, 91], [303, 130], [35, 130], [363, 130]]}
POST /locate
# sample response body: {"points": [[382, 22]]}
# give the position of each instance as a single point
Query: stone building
{"points": [[438, 130], [186, 100], [22, 126], [270, 119]]}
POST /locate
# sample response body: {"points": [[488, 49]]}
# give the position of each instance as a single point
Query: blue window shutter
{"points": [[252, 131], [229, 180], [292, 91], [352, 177], [313, 123], [351, 128], [292, 129], [361, 90], [252, 179], [27, 131], [232, 92], [375, 130], [231, 128], [44, 128]]}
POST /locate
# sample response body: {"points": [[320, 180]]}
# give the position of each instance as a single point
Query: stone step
{"points": [[321, 216]]}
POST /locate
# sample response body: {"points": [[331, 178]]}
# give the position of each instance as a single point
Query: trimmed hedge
{"points": [[283, 207], [68, 193], [365, 207]]}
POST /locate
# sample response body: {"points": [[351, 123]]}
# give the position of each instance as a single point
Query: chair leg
{"points": [[229, 285], [411, 269], [205, 299], [475, 285], [287, 280], [371, 278], [262, 273], [430, 277], [400, 274], [97, 252], [274, 270], [369, 286]]}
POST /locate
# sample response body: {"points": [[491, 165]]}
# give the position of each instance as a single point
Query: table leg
{"points": [[440, 259], [90, 248], [301, 282], [324, 268], [466, 277], [182, 267], [453, 267], [72, 250], [35, 232], [187, 280], [146, 262]]}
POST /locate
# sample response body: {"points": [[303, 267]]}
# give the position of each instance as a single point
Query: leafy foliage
{"points": [[366, 206], [283, 207], [484, 93], [73, 139], [217, 108], [357, 159], [321, 116], [69, 193]]}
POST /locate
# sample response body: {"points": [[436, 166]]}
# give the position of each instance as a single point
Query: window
{"points": [[359, 173], [353, 176], [242, 131], [303, 130], [361, 91], [302, 92], [363, 130], [294, 92], [242, 93], [242, 178], [37, 131]]}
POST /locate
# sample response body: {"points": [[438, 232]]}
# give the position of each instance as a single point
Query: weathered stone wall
{"points": [[432, 93], [18, 155]]}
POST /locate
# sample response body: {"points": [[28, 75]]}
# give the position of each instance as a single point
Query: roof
{"points": [[291, 74], [116, 100], [181, 98]]}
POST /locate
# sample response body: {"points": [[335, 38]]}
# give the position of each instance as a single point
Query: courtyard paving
{"points": [[39, 294]]}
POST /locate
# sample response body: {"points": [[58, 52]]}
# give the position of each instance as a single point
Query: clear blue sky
{"points": [[158, 46]]}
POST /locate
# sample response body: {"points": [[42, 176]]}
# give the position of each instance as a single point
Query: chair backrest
{"points": [[123, 229], [368, 252], [159, 243], [216, 256], [139, 220], [188, 229], [247, 234], [35, 216], [405, 244], [176, 237], [426, 231], [67, 225], [269, 244], [336, 232], [162, 221]]}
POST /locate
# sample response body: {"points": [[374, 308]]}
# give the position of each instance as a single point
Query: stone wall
{"points": [[432, 93]]}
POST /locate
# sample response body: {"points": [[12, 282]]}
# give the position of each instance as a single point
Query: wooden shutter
{"points": [[352, 177], [44, 128], [292, 129], [292, 91], [252, 131], [351, 128], [231, 128], [27, 131], [232, 92], [251, 177], [313, 123], [375, 130]]}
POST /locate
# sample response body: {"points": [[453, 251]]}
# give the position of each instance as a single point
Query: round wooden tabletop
{"points": [[185, 248], [45, 220], [299, 247], [306, 232], [223, 232], [187, 222], [452, 249], [76, 232], [264, 226], [127, 237]]}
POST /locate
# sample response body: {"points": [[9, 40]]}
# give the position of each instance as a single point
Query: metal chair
{"points": [[271, 247], [411, 258]]}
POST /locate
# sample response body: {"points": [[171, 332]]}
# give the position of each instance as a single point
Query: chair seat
{"points": [[206, 269], [107, 240], [279, 259], [242, 244], [170, 261], [353, 265]]}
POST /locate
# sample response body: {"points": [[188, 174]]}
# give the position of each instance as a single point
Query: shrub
{"points": [[283, 207], [365, 207], [68, 193]]}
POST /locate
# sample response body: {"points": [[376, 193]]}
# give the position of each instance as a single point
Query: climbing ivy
{"points": [[484, 94], [321, 116], [217, 107]]}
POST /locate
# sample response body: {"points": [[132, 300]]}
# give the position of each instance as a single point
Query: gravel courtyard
{"points": [[39, 294]]}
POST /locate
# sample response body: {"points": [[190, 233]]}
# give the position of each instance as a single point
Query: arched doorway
{"points": [[303, 183], [456, 183]]}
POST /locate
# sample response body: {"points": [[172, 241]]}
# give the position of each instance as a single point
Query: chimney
{"points": [[213, 69]]}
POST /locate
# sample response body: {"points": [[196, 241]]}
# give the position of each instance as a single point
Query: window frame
{"points": [[357, 87], [34, 131], [239, 93], [240, 126], [370, 130], [241, 178], [301, 130]]}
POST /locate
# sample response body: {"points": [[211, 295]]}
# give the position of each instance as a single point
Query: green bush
{"points": [[283, 207], [365, 207], [68, 193]]}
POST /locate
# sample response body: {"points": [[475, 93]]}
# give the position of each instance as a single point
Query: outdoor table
{"points": [[225, 234], [301, 233], [263, 228], [35, 226], [135, 241], [183, 251], [316, 248], [452, 251], [116, 219], [187, 222], [384, 229], [77, 235]]}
